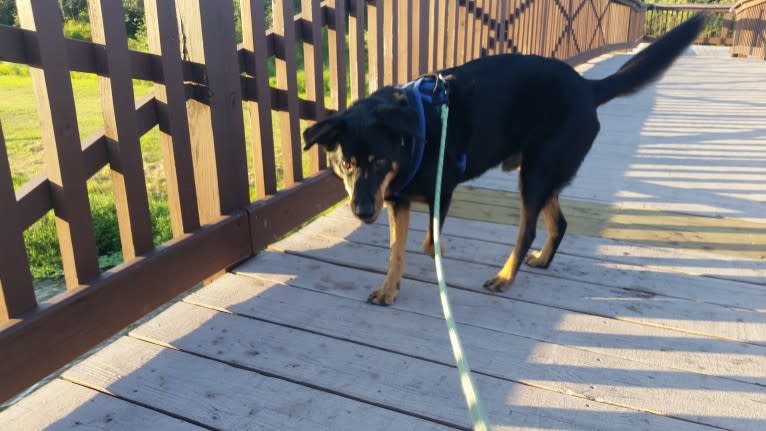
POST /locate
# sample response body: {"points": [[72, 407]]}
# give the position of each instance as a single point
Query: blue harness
{"points": [[433, 90]]}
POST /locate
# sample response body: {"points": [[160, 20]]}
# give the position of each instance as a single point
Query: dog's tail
{"points": [[649, 64]]}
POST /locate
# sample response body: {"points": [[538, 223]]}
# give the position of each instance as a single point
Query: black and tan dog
{"points": [[519, 111]]}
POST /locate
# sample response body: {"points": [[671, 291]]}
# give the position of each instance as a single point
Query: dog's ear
{"points": [[402, 120], [325, 133]]}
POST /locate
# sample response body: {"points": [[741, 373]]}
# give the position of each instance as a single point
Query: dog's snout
{"points": [[364, 210]]}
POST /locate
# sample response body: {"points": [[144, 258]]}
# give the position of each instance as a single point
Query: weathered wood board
{"points": [[62, 405], [491, 352], [225, 397]]}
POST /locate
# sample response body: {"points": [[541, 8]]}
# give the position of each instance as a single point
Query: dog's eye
{"points": [[346, 165]]}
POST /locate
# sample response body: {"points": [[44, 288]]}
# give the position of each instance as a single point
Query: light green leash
{"points": [[469, 390]]}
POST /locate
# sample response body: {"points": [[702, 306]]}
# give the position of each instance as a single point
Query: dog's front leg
{"points": [[399, 223]]}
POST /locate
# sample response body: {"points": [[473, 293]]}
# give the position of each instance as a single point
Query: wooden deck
{"points": [[652, 316]]}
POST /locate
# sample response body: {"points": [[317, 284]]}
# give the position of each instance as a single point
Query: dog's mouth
{"points": [[369, 219]]}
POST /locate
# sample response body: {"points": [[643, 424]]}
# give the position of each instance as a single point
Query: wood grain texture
{"points": [[70, 406], [216, 123], [225, 397], [274, 216], [163, 38], [121, 129], [286, 69], [492, 353], [482, 260], [376, 376], [313, 61], [17, 294], [76, 321], [61, 142], [599, 261], [264, 162], [338, 55], [357, 57]]}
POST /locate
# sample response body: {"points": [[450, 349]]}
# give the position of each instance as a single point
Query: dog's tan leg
{"points": [[399, 223], [526, 236], [556, 225]]}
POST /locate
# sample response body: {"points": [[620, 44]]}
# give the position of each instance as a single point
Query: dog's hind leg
{"points": [[398, 223], [524, 239], [536, 190], [556, 225], [428, 240]]}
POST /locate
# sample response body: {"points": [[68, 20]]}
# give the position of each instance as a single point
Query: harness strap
{"points": [[431, 89]]}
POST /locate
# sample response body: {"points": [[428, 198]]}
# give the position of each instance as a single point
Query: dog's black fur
{"points": [[519, 111]]}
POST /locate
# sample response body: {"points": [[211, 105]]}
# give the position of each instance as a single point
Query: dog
{"points": [[519, 111]]}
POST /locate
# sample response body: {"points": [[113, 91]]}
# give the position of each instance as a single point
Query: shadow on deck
{"points": [[653, 315]]}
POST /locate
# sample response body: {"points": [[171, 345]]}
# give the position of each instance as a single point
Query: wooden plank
{"points": [[223, 397], [403, 29], [390, 42], [314, 73], [421, 36], [287, 80], [19, 45], [217, 125], [76, 321], [64, 405], [726, 236], [61, 142], [175, 139], [592, 260], [275, 216], [34, 197], [121, 129], [17, 294], [402, 383], [556, 392], [375, 37], [655, 347], [356, 48], [451, 34], [478, 260], [34, 200], [461, 33], [264, 162], [336, 40]]}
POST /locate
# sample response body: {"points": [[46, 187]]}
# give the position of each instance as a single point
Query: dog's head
{"points": [[364, 147]]}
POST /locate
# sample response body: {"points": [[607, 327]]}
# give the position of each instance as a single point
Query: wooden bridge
{"points": [[652, 316]]}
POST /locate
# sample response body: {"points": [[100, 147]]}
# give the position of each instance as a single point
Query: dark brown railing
{"points": [[202, 79], [661, 18], [750, 33]]}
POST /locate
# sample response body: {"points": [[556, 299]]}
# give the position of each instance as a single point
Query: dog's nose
{"points": [[364, 210]]}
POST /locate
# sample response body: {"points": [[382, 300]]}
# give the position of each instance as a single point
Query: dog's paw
{"points": [[536, 259], [498, 283], [384, 295], [428, 248]]}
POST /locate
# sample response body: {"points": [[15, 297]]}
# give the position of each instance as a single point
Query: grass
{"points": [[22, 136]]}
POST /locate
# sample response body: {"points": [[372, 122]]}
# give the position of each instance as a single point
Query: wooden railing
{"points": [[661, 18], [750, 29], [202, 79]]}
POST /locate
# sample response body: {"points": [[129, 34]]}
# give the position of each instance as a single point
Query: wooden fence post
{"points": [[356, 49], [216, 122], [336, 41], [17, 293], [375, 38], [254, 39], [61, 140], [107, 19], [175, 139], [313, 68], [283, 17]]}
